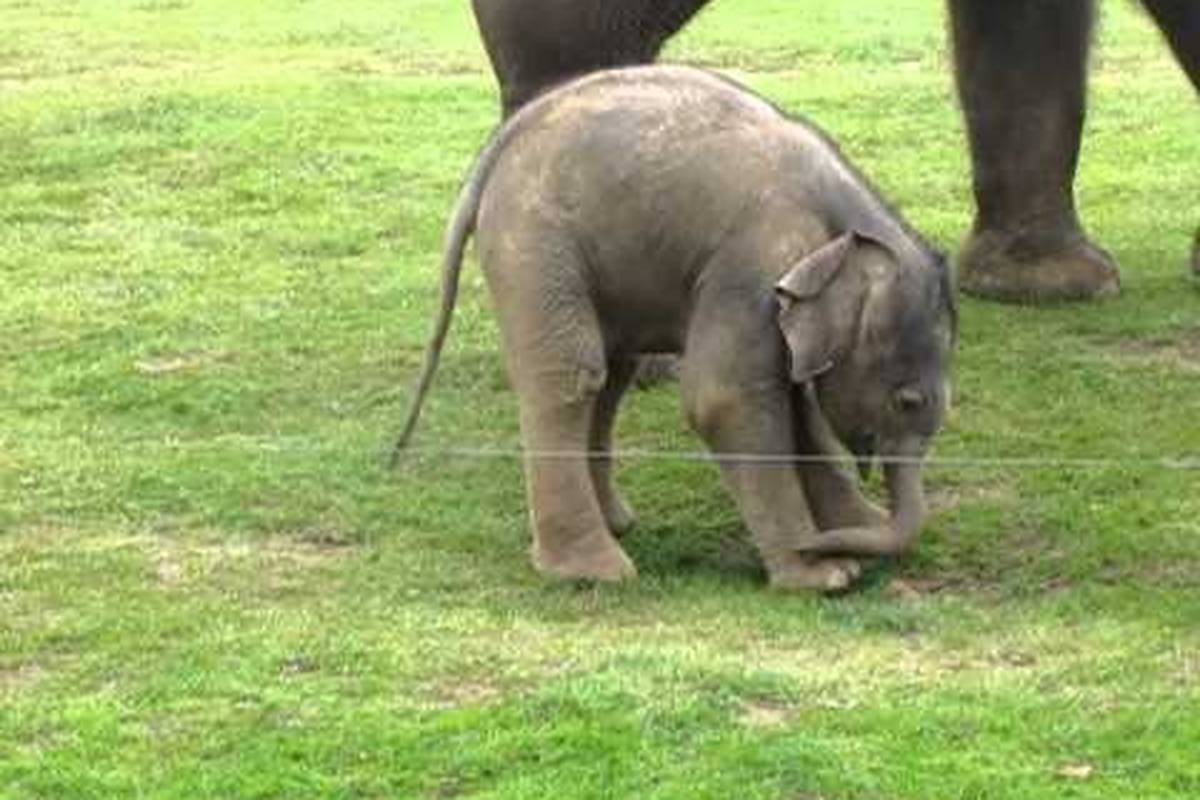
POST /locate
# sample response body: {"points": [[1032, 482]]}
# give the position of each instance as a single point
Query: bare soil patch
{"points": [[1181, 351], [764, 714], [18, 678]]}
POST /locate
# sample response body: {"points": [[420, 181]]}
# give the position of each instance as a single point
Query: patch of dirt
{"points": [[1076, 772], [376, 65], [17, 678], [279, 562], [765, 714], [466, 693], [1017, 554], [1165, 572], [1179, 351], [325, 539], [945, 498], [448, 788], [168, 570], [908, 590], [1186, 673], [172, 363]]}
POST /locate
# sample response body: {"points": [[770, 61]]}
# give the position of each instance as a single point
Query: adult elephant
{"points": [[1021, 72]]}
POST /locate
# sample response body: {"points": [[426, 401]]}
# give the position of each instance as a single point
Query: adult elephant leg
{"points": [[1021, 68], [1179, 20], [616, 511], [535, 44]]}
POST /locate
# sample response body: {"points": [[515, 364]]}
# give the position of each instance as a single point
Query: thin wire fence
{"points": [[1006, 462], [284, 444]]}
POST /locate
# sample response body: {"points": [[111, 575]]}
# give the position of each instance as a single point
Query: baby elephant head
{"points": [[874, 332]]}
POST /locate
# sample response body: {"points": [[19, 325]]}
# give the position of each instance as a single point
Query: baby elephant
{"points": [[668, 210]]}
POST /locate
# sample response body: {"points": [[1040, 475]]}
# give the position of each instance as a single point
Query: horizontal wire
{"points": [[1174, 463], [486, 453]]}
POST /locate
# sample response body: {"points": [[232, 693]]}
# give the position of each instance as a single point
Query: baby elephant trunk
{"points": [[902, 476], [906, 499]]}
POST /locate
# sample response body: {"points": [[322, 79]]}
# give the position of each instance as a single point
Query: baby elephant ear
{"points": [[806, 311]]}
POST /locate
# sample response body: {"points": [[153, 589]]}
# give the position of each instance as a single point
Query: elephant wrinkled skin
{"points": [[666, 210]]}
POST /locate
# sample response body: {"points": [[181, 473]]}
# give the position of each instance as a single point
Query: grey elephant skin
{"points": [[1021, 70], [668, 210]]}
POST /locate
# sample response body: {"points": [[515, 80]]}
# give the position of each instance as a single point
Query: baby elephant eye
{"points": [[908, 399]]}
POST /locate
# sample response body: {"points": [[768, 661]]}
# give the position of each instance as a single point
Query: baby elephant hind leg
{"points": [[571, 539], [557, 365], [616, 511]]}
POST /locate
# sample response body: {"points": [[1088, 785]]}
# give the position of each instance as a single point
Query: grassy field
{"points": [[219, 231]]}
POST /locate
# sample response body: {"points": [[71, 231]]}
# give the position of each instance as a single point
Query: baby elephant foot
{"points": [[813, 573], [596, 557]]}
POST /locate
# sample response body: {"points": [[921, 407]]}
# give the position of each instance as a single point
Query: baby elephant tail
{"points": [[462, 224]]}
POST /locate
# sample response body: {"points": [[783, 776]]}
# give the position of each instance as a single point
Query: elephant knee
{"points": [[710, 407], [568, 387]]}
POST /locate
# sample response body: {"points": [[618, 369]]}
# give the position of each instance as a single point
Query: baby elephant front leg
{"points": [[749, 430]]}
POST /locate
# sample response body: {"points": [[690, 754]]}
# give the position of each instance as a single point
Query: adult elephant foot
{"points": [[1021, 68], [999, 266]]}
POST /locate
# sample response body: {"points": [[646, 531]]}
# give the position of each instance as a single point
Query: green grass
{"points": [[219, 234]]}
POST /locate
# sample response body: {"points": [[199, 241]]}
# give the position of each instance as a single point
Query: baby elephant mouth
{"points": [[862, 446]]}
